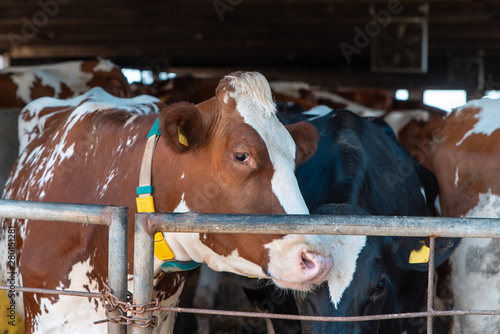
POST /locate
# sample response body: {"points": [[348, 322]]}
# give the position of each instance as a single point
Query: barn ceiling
{"points": [[431, 43]]}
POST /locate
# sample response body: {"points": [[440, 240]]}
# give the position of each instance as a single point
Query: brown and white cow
{"points": [[23, 84], [466, 162], [302, 90], [239, 159], [191, 87], [416, 125]]}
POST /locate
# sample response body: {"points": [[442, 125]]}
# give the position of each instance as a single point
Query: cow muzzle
{"points": [[295, 264]]}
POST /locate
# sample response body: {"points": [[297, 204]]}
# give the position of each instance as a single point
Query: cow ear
{"points": [[413, 253], [306, 138], [183, 126]]}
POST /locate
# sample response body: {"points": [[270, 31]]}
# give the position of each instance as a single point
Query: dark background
{"points": [[285, 39]]}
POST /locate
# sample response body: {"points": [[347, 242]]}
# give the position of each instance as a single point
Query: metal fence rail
{"points": [[148, 224], [321, 224], [116, 218]]}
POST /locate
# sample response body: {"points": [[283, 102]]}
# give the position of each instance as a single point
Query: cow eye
{"points": [[241, 156], [381, 286]]}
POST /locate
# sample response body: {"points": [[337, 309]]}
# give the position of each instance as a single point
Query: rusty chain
{"points": [[112, 303]]}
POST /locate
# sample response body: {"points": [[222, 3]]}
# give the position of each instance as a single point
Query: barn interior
{"points": [[389, 44], [415, 46], [392, 45], [343, 45]]}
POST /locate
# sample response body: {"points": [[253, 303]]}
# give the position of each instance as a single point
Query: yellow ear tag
{"points": [[420, 256], [182, 137]]}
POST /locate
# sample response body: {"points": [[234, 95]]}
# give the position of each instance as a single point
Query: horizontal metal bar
{"points": [[333, 319], [53, 292], [63, 212], [322, 224]]}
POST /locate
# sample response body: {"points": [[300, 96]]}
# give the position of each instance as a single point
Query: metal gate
{"points": [[148, 224], [116, 218]]}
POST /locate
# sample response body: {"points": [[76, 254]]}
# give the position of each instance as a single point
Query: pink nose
{"points": [[316, 267]]}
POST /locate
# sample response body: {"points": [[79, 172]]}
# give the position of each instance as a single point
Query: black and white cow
{"points": [[360, 163]]}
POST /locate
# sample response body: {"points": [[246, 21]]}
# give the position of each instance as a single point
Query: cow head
{"points": [[107, 75], [232, 155], [384, 282]]}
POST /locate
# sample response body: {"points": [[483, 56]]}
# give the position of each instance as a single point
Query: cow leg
{"points": [[272, 300]]}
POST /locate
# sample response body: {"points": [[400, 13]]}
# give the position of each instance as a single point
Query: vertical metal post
{"points": [[143, 269], [118, 260], [430, 283]]}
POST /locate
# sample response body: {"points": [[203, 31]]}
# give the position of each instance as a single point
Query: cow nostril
{"points": [[307, 262]]}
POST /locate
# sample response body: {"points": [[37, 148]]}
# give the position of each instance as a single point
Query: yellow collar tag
{"points": [[145, 204], [162, 250], [182, 137], [420, 256]]}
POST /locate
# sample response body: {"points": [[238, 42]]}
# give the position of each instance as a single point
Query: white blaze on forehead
{"points": [[255, 104], [488, 117], [345, 251]]}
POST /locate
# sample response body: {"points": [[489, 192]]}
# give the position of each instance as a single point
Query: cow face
{"points": [[383, 271], [234, 156], [368, 293], [248, 155]]}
